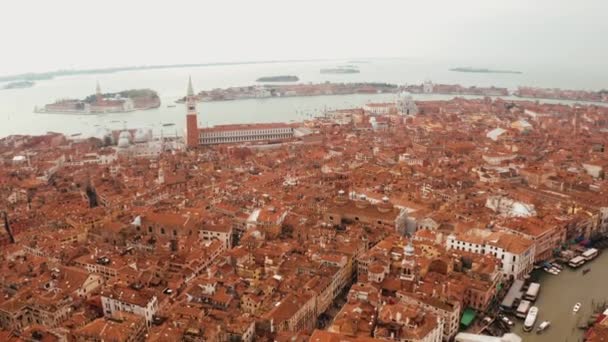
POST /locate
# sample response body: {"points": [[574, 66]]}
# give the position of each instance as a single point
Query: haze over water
{"points": [[16, 105]]}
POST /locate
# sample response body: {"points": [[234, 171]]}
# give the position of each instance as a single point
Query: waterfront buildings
{"points": [[230, 134], [516, 254], [126, 101]]}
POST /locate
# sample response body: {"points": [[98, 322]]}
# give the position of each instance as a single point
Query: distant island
{"points": [[293, 90], [283, 78], [36, 76], [341, 70], [98, 103], [18, 84], [484, 71]]}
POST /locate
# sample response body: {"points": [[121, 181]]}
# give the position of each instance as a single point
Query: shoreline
{"points": [[92, 114], [509, 97]]}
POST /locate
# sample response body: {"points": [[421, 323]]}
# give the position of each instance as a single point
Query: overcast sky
{"points": [[46, 35]]}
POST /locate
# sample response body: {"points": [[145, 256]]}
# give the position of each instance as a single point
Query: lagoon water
{"points": [[17, 116]]}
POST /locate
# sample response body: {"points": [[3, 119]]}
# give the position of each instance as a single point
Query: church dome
{"points": [[385, 206], [341, 199], [142, 135], [362, 202], [124, 139]]}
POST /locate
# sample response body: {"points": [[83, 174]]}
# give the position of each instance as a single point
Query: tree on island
{"points": [[132, 93]]}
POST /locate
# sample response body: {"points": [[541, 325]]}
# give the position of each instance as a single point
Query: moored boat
{"points": [[543, 326], [530, 319]]}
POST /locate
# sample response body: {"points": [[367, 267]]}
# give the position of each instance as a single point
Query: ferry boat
{"points": [[576, 307], [552, 270], [543, 326], [577, 261], [532, 292], [590, 254], [530, 319], [523, 309]]}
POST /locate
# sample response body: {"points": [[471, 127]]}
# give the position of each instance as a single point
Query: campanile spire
{"points": [[192, 134]]}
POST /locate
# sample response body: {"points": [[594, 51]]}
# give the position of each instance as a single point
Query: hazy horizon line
{"points": [[110, 69]]}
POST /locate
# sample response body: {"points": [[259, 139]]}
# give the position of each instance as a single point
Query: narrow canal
{"points": [[559, 293]]}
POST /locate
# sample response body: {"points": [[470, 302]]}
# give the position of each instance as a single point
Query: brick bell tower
{"points": [[192, 135]]}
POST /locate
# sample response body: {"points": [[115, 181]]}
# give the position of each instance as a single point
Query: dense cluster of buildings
{"points": [[290, 90], [562, 94], [429, 87], [365, 226], [127, 101]]}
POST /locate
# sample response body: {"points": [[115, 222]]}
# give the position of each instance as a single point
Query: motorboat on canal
{"points": [[576, 307], [543, 326], [530, 319], [586, 270], [552, 270]]}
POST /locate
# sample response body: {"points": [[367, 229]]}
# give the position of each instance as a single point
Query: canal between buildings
{"points": [[559, 293]]}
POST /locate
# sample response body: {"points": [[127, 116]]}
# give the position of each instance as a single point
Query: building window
{"points": [[162, 230]]}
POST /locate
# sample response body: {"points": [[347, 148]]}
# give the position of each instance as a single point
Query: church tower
{"points": [[192, 135], [98, 95]]}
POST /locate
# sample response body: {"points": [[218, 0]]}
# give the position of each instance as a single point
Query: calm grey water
{"points": [[558, 294], [17, 117]]}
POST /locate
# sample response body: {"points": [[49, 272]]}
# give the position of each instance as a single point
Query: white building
{"points": [[595, 171], [427, 87], [509, 207], [498, 158], [406, 105], [227, 134], [384, 108], [495, 133], [222, 233], [515, 253], [140, 302]]}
